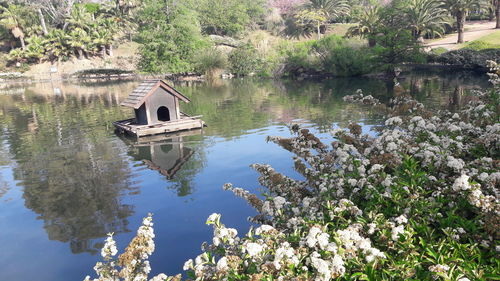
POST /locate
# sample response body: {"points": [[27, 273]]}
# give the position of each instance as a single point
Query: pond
{"points": [[66, 178]]}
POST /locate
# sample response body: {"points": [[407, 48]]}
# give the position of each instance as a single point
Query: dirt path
{"points": [[474, 30]]}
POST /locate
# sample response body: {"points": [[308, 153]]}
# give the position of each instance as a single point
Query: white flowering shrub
{"points": [[133, 264], [418, 202]]}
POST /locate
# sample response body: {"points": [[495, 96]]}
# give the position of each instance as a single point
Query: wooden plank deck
{"points": [[185, 123]]}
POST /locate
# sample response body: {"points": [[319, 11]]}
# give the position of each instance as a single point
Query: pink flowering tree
{"points": [[286, 7]]}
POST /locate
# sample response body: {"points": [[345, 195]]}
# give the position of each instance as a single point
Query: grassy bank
{"points": [[490, 41]]}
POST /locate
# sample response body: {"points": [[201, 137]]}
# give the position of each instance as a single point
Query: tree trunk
{"points": [[460, 26], [372, 42], [103, 51], [110, 50], [319, 31], [23, 45], [42, 21], [497, 13]]}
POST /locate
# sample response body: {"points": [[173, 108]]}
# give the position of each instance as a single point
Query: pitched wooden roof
{"points": [[146, 88]]}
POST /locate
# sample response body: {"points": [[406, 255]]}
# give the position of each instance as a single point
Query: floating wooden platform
{"points": [[186, 122]]}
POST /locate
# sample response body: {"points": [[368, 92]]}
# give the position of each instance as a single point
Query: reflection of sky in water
{"points": [[66, 177]]}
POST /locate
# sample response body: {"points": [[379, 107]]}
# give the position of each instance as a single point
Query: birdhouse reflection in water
{"points": [[166, 157]]}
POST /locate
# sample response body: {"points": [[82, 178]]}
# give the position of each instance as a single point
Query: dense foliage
{"points": [[229, 17], [418, 201], [468, 58], [172, 34], [84, 30], [330, 55]]}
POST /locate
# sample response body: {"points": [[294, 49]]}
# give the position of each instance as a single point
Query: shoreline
{"points": [[193, 77]]}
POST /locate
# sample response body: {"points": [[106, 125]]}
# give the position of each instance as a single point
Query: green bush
{"points": [[244, 60], [341, 58], [397, 46], [210, 60], [332, 55], [469, 58], [346, 61], [298, 59]]}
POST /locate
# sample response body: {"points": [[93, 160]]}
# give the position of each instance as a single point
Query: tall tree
{"points": [[367, 22], [57, 10], [170, 36], [322, 11], [228, 17], [497, 12], [426, 17], [42, 21], [459, 9], [38, 5]]}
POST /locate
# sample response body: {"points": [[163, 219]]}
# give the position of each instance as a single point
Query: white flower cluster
{"points": [[487, 203], [353, 242], [319, 239], [134, 262], [327, 269], [109, 250], [439, 268], [362, 99]]}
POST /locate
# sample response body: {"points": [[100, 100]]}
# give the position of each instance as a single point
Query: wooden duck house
{"points": [[157, 111]]}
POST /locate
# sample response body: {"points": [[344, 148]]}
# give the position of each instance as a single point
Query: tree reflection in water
{"points": [[77, 193], [74, 175]]}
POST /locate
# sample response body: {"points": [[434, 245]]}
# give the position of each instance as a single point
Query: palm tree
{"points": [[36, 48], [17, 55], [79, 17], [306, 17], [11, 19], [57, 43], [330, 8], [80, 40], [110, 25], [322, 11], [426, 17], [101, 38], [459, 9], [368, 21]]}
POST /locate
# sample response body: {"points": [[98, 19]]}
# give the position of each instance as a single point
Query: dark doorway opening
{"points": [[163, 114]]}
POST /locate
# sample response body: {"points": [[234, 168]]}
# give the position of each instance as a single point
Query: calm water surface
{"points": [[66, 179]]}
